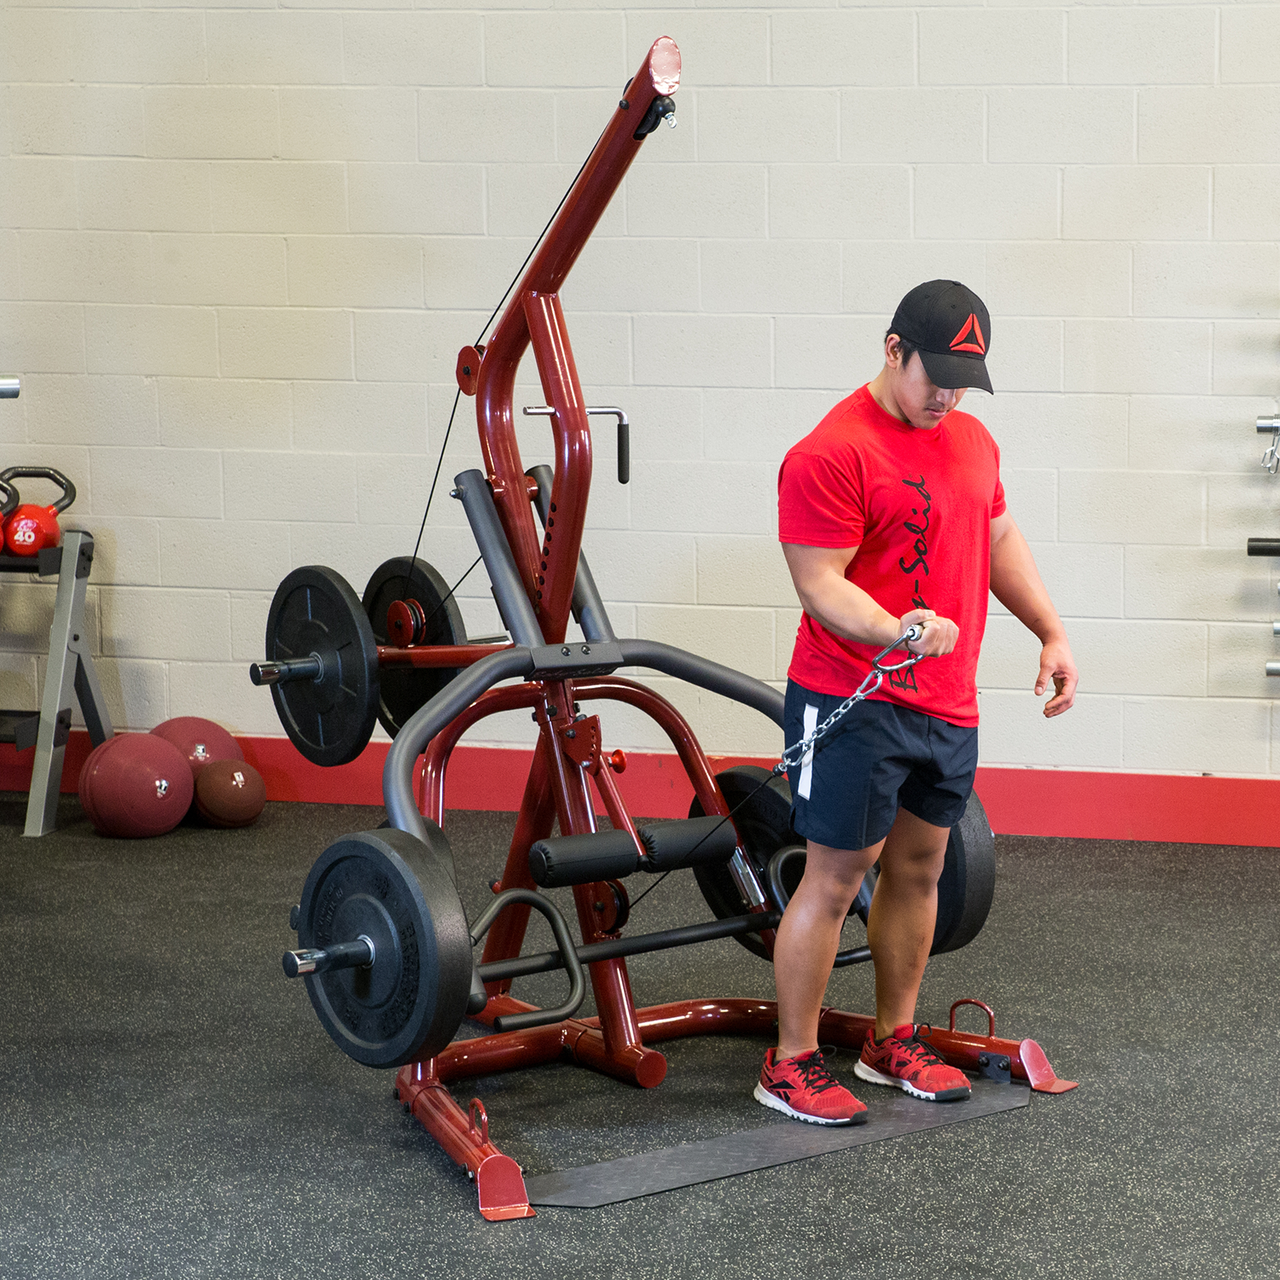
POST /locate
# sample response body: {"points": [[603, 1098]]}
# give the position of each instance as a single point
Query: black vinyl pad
{"points": [[780, 1142]]}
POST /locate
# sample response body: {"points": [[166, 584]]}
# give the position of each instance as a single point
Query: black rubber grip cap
{"points": [[1264, 546], [563, 860]]}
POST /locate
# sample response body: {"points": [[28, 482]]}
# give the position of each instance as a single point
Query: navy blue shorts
{"points": [[847, 790]]}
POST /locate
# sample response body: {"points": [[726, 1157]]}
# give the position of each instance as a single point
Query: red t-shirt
{"points": [[918, 504]]}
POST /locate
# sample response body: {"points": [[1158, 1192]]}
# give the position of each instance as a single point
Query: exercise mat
{"points": [[591, 1185]]}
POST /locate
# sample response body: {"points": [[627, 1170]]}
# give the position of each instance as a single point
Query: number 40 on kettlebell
{"points": [[28, 527]]}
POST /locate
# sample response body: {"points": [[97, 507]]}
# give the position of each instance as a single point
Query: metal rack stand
{"points": [[70, 670], [70, 673]]}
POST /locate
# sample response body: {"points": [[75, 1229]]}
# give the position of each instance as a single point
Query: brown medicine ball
{"points": [[140, 787], [200, 740], [230, 793]]}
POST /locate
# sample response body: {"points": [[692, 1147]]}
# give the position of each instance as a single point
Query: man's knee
{"points": [[915, 851], [835, 875]]}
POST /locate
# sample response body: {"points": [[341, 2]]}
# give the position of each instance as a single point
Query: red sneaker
{"points": [[803, 1088], [908, 1062]]}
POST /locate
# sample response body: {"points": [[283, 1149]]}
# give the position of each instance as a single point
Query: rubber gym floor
{"points": [[173, 1108]]}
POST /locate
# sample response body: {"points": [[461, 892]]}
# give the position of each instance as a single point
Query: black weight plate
{"points": [[968, 880], [965, 888], [395, 890], [405, 689], [763, 825], [331, 719]]}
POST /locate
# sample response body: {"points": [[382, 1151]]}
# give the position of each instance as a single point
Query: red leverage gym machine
{"points": [[384, 945]]}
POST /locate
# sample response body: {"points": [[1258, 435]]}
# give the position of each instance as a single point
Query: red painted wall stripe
{"points": [[1036, 802]]}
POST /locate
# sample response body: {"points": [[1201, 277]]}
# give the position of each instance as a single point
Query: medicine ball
{"points": [[84, 787], [201, 741], [230, 793], [141, 787]]}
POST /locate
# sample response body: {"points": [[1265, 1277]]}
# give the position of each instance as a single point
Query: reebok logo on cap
{"points": [[973, 332], [950, 328]]}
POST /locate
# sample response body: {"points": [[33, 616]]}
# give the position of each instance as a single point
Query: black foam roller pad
{"points": [[687, 842], [563, 860]]}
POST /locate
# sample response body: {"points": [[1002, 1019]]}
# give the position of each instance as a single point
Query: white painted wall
{"points": [[241, 245]]}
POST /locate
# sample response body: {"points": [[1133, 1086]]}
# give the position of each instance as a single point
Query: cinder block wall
{"points": [[241, 245]]}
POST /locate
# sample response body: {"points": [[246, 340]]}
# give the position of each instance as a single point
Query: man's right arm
{"points": [[846, 610]]}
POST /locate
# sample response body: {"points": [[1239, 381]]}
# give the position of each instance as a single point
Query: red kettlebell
{"points": [[32, 527]]}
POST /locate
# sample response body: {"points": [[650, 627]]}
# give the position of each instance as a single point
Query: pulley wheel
{"points": [[391, 889], [331, 717], [403, 690]]}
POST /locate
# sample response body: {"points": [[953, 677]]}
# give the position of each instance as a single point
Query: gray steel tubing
{"points": [[513, 601], [567, 955], [705, 674], [587, 606], [639, 944], [428, 720]]}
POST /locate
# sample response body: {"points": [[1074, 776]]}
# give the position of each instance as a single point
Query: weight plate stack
{"points": [[316, 613], [389, 888], [403, 690]]}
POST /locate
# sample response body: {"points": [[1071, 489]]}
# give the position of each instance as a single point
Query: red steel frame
{"points": [[568, 757]]}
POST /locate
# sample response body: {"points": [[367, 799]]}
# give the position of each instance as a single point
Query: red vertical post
{"points": [[494, 385]]}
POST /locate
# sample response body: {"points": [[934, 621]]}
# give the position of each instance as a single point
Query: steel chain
{"points": [[795, 753]]}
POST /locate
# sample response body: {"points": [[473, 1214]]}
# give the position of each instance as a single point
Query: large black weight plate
{"points": [[763, 824], [405, 689], [965, 888], [331, 719], [395, 890], [968, 881]]}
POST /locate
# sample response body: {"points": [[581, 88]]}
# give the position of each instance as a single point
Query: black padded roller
{"points": [[1264, 546], [563, 860], [687, 842]]}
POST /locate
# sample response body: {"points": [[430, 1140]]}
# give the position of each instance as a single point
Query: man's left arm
{"points": [[1015, 582]]}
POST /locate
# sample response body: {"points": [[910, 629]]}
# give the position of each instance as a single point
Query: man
{"points": [[892, 514]]}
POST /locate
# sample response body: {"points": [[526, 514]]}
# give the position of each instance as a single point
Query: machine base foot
{"points": [[501, 1187]]}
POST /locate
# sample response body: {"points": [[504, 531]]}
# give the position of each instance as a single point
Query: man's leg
{"points": [[900, 925], [904, 910], [795, 1079], [809, 937]]}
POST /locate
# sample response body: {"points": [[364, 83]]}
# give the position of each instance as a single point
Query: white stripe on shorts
{"points": [[806, 760]]}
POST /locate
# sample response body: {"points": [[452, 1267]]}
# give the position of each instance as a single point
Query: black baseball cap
{"points": [[952, 329]]}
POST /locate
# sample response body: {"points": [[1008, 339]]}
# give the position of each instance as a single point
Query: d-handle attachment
{"points": [[564, 944]]}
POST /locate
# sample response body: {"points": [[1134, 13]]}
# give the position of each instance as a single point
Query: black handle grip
{"points": [[43, 473], [8, 500], [1264, 546], [624, 451], [564, 944]]}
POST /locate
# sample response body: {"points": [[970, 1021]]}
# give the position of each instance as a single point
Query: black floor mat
{"points": [[779, 1142]]}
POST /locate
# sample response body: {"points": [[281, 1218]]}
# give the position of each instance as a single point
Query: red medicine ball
{"points": [[230, 793], [200, 740], [141, 787], [88, 770]]}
